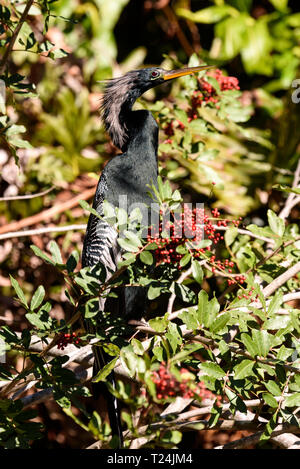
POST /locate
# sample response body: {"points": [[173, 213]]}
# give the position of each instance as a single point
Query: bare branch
{"points": [[47, 214], [27, 196], [293, 199], [281, 280], [254, 439], [38, 231], [181, 279]]}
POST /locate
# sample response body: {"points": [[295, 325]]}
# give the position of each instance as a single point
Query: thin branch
{"points": [[229, 289], [27, 196], [15, 35], [286, 441], [245, 309], [281, 280], [246, 232], [39, 231], [181, 279], [189, 334], [243, 443], [49, 213], [293, 199]]}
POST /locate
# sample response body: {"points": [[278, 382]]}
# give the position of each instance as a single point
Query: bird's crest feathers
{"points": [[114, 97]]}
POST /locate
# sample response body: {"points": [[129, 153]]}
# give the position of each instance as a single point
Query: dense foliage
{"points": [[221, 267]]}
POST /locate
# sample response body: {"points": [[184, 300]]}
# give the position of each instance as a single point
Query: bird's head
{"points": [[121, 93]]}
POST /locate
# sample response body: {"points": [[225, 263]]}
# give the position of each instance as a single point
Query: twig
{"points": [[287, 441], [281, 280], [293, 199], [47, 214], [254, 439], [38, 231], [181, 279], [257, 304], [15, 35], [211, 343], [229, 289], [27, 196], [246, 232], [178, 31]]}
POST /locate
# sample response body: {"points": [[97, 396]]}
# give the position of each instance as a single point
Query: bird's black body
{"points": [[128, 174]]}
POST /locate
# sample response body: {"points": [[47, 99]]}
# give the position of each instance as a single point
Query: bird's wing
{"points": [[100, 242], [100, 245]]}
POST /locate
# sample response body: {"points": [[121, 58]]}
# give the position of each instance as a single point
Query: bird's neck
{"points": [[142, 133]]}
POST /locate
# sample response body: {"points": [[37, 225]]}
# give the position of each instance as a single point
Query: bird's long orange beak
{"points": [[185, 71]]}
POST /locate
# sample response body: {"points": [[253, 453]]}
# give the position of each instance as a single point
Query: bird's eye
{"points": [[155, 74]]}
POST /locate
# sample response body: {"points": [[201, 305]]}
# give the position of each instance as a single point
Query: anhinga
{"points": [[129, 173]]}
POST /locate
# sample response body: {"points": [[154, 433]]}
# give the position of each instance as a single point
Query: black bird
{"points": [[127, 174]]}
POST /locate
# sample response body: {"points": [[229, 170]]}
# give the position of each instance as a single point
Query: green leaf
{"points": [[154, 292], [173, 335], [182, 292], [105, 371], [280, 5], [273, 388], [91, 308], [55, 251], [203, 309], [19, 142], [137, 347], [275, 303], [271, 424], [38, 252], [262, 340], [37, 298], [189, 317], [276, 224], [41, 319], [244, 369], [257, 47], [72, 261], [230, 235], [293, 400], [57, 54], [159, 324], [133, 238], [185, 259], [249, 344], [212, 369], [129, 360], [269, 399], [127, 245], [188, 349], [18, 291], [146, 257], [235, 400], [219, 323], [197, 271], [88, 208], [283, 188], [209, 15]]}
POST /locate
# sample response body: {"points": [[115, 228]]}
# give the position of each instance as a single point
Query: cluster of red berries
{"points": [[186, 226], [207, 92], [169, 129], [168, 386], [190, 226], [247, 295], [66, 339]]}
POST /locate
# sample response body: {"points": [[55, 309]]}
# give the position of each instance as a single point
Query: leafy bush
{"points": [[238, 345]]}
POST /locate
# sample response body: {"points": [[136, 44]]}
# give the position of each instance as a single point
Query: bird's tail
{"points": [[100, 389]]}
